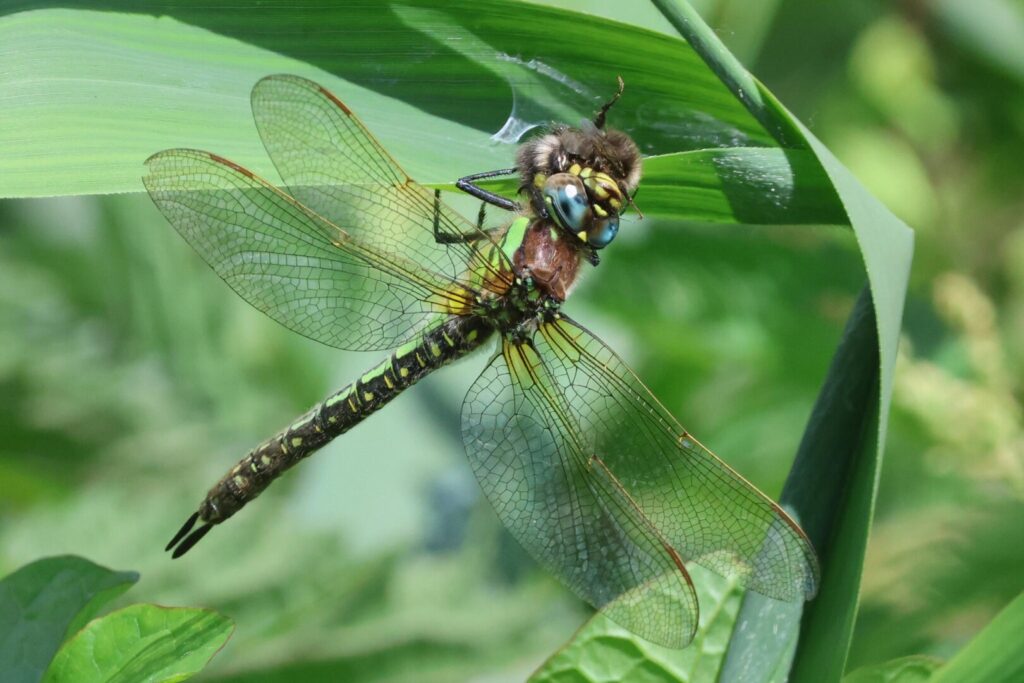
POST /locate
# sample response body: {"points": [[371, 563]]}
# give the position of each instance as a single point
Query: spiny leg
{"points": [[468, 185], [481, 217], [442, 237]]}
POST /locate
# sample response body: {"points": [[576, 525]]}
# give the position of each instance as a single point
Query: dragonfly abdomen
{"points": [[440, 344]]}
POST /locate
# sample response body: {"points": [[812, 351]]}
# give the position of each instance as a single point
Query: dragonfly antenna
{"points": [[599, 119]]}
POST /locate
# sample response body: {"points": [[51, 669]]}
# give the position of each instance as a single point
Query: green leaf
{"points": [[42, 603], [845, 440], [146, 76], [142, 643], [604, 651], [994, 656], [913, 669], [834, 481]]}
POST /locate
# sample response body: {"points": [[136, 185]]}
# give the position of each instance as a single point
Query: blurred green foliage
{"points": [[130, 378]]}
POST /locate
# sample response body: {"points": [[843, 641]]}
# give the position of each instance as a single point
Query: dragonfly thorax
{"points": [[517, 314]]}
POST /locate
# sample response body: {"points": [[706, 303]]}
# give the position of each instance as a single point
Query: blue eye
{"points": [[567, 202], [603, 232]]}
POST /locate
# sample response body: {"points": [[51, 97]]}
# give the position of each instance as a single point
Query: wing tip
{"points": [[301, 82]]}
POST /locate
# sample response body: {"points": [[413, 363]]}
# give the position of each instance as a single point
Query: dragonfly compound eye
{"points": [[568, 203], [603, 232]]}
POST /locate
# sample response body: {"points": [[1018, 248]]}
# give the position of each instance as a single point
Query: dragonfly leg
{"points": [[442, 237], [481, 216], [468, 185]]}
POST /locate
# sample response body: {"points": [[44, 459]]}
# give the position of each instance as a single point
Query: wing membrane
{"points": [[565, 507], [332, 164], [703, 508], [292, 264]]}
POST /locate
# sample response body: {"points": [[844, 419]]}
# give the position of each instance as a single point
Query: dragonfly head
{"points": [[582, 178], [584, 206]]}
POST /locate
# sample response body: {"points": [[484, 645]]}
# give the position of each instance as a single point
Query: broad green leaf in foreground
{"points": [[141, 643], [44, 602], [604, 651]]}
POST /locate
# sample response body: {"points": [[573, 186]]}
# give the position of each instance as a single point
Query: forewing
{"points": [[333, 164], [707, 511], [289, 262], [565, 507]]}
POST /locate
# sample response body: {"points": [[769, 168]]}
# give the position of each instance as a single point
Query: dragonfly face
{"points": [[583, 465], [582, 179]]}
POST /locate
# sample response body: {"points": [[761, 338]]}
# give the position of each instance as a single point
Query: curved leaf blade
{"points": [[603, 651], [148, 76], [838, 525]]}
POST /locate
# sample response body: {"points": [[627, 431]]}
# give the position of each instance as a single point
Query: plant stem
{"points": [[724, 64]]}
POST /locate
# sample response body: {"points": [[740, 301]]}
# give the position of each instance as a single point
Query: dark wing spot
{"points": [[338, 103], [230, 164]]}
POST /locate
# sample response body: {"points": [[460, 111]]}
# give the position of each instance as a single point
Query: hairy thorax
{"points": [[547, 257], [545, 267]]}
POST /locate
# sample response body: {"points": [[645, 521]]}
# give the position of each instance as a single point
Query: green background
{"points": [[131, 378]]}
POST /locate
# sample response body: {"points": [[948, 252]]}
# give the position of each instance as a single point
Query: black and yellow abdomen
{"points": [[447, 340]]}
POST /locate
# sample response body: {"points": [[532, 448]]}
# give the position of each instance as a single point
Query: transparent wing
{"points": [[332, 164], [292, 264], [565, 506], [703, 508]]}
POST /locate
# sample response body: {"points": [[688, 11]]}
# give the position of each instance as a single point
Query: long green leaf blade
{"points": [[460, 70], [838, 526]]}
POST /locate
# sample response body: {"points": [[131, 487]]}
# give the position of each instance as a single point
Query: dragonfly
{"points": [[583, 465]]}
